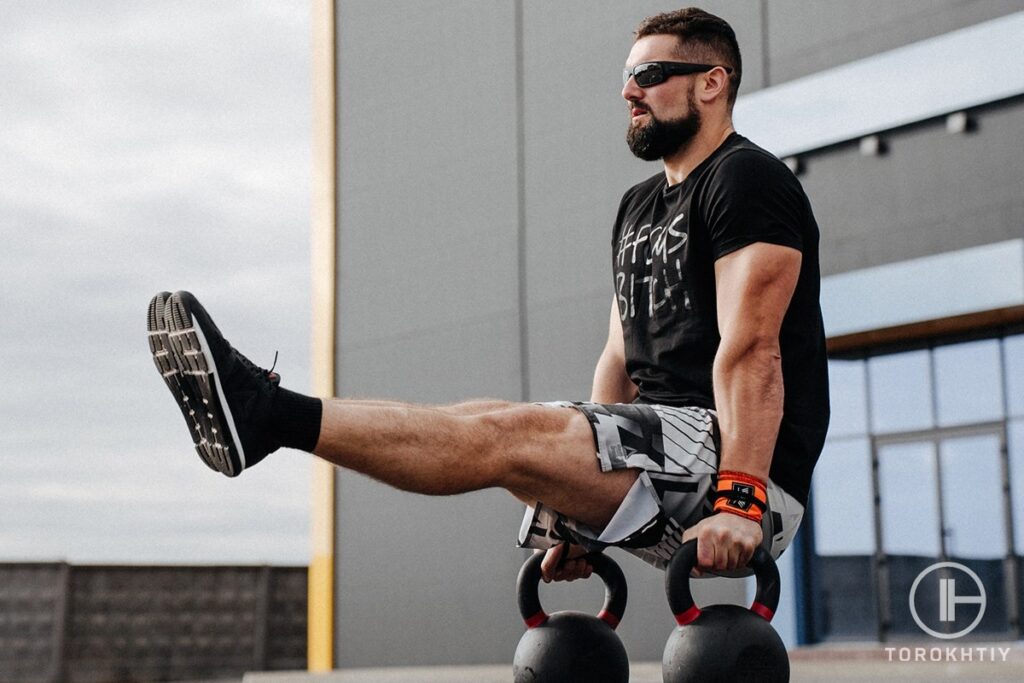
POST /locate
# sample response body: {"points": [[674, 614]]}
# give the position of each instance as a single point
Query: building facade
{"points": [[479, 160]]}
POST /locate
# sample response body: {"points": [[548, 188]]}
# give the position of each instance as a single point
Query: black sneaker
{"points": [[225, 397]]}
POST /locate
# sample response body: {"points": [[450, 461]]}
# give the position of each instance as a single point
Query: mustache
{"points": [[637, 105]]}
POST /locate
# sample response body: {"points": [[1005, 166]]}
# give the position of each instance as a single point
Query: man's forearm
{"points": [[748, 398]]}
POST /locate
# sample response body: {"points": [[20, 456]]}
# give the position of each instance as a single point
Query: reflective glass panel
{"points": [[1013, 352], [972, 497], [909, 505], [900, 392], [843, 513], [848, 397], [969, 386]]}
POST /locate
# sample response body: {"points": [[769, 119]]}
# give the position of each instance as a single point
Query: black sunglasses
{"points": [[653, 73]]}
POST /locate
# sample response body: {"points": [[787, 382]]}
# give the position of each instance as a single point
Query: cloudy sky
{"points": [[147, 146]]}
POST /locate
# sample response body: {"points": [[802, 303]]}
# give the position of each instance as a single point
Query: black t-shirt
{"points": [[665, 245]]}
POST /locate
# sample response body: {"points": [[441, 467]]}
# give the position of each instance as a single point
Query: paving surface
{"points": [[995, 662]]}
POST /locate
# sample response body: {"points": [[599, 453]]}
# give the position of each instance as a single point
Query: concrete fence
{"points": [[62, 623]]}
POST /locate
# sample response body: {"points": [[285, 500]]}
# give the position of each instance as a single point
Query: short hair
{"points": [[703, 38]]}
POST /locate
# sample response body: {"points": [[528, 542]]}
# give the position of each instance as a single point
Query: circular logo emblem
{"points": [[949, 599]]}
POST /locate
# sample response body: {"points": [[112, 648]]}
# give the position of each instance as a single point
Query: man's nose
{"points": [[631, 92]]}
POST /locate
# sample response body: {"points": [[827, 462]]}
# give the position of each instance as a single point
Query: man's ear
{"points": [[713, 84]]}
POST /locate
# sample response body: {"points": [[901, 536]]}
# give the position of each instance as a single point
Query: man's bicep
{"points": [[755, 285]]}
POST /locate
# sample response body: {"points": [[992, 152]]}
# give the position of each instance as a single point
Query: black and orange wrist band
{"points": [[740, 494]]}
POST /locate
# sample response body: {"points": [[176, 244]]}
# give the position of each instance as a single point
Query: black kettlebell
{"points": [[723, 643], [571, 647]]}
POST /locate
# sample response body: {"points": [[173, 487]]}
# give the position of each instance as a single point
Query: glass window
{"points": [[1016, 446], [909, 505], [936, 392], [901, 392], [1013, 350], [969, 387], [848, 397], [843, 514], [972, 497]]}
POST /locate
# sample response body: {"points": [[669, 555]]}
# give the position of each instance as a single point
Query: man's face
{"points": [[663, 117]]}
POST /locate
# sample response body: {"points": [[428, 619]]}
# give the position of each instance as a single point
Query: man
{"points": [[710, 401]]}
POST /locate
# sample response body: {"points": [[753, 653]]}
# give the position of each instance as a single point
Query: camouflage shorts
{"points": [[676, 451]]}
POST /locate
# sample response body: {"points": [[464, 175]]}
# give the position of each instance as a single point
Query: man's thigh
{"points": [[555, 461], [671, 457]]}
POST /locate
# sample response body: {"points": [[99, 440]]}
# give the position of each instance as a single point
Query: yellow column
{"points": [[324, 281]]}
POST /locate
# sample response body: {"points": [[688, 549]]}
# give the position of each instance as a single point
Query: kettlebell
{"points": [[723, 643], [569, 646]]}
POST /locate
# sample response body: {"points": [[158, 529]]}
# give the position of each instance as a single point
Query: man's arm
{"points": [[754, 287], [611, 383]]}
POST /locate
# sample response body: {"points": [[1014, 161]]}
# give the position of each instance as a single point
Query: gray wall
{"points": [[428, 311], [806, 36], [931, 192], [475, 216]]}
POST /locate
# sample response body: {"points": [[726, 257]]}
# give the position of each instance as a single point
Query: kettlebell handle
{"points": [[614, 595], [680, 599]]}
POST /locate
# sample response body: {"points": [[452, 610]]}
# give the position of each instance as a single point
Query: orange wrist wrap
{"points": [[741, 494]]}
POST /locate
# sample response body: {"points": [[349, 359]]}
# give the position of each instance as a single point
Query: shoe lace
{"points": [[257, 370]]}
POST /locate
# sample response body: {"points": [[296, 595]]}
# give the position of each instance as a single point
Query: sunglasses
{"points": [[653, 73]]}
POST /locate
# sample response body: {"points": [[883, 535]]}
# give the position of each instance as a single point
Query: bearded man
{"points": [[710, 400]]}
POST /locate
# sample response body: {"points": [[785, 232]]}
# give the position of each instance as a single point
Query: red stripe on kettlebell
{"points": [[689, 616], [608, 618], [537, 619], [762, 611]]}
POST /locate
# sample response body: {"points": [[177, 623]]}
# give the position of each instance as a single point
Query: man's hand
{"points": [[724, 541], [574, 567]]}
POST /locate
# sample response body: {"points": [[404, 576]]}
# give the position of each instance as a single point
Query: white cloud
{"points": [[146, 147]]}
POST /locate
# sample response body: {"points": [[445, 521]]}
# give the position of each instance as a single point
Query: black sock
{"points": [[296, 419]]}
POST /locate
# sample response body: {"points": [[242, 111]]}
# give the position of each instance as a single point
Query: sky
{"points": [[147, 147]]}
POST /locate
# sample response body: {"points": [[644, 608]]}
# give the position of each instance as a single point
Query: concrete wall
{"points": [[482, 158], [428, 311]]}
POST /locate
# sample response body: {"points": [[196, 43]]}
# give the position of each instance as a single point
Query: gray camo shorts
{"points": [[676, 451]]}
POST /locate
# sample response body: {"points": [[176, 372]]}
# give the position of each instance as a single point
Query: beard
{"points": [[658, 139]]}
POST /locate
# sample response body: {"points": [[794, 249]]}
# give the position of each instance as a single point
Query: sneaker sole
{"points": [[219, 445], [166, 365]]}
